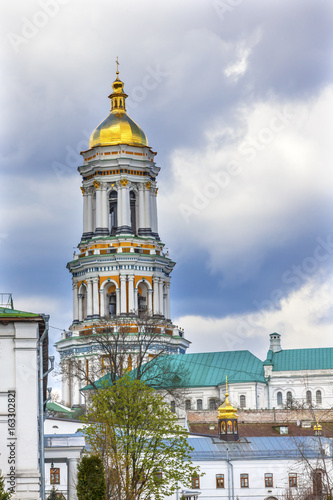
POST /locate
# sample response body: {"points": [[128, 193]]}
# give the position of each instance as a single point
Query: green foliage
{"points": [[55, 494], [4, 495], [144, 451], [90, 479]]}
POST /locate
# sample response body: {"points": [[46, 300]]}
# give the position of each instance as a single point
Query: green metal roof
{"points": [[58, 407], [13, 313], [320, 358], [204, 369]]}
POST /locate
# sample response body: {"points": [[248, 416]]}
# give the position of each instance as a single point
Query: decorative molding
{"points": [[148, 185], [96, 184], [123, 182], [82, 189]]}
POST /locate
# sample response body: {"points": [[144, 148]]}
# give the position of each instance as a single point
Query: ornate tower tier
{"points": [[121, 272]]}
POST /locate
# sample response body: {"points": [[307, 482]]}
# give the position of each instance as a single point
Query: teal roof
{"points": [[13, 313], [301, 359], [204, 369]]}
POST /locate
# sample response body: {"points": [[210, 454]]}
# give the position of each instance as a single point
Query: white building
{"points": [[23, 341], [121, 272]]}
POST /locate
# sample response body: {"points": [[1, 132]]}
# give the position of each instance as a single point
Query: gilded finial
{"points": [[117, 72], [226, 386]]}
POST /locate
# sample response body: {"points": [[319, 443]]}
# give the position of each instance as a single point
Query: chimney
{"points": [[275, 342]]}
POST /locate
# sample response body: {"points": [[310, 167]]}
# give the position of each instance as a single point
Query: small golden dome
{"points": [[118, 127], [226, 410]]}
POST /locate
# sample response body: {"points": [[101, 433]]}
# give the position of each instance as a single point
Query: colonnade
{"points": [[90, 301], [96, 208]]}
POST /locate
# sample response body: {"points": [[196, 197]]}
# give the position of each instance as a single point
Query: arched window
{"points": [[289, 399], [142, 300], [242, 401], [113, 197], [318, 397], [199, 404], [308, 397], [279, 398], [133, 211], [187, 404]]}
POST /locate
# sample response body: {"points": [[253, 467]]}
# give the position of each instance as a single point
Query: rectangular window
{"points": [[54, 475], [293, 480], [244, 480], [269, 480], [195, 482], [219, 480]]}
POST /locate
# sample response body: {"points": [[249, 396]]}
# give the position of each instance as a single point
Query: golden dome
{"points": [[118, 127], [226, 410]]}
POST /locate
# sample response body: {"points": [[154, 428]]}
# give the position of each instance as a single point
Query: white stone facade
{"points": [[19, 436]]}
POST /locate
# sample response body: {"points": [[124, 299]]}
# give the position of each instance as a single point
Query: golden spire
{"points": [[226, 410], [118, 96], [117, 72]]}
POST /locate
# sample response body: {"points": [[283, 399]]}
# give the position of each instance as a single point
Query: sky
{"points": [[237, 99]]}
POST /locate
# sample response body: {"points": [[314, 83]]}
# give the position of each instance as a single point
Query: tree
{"points": [[144, 451], [4, 495], [90, 479], [55, 494], [125, 345]]}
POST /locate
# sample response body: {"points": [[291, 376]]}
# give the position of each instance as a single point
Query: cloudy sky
{"points": [[237, 99]]}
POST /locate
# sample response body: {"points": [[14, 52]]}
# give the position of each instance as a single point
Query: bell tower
{"points": [[121, 271]]}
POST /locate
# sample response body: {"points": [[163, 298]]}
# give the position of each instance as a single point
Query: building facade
{"points": [[121, 274], [20, 416]]}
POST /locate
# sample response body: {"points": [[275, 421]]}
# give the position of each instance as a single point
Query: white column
{"points": [[147, 207], [105, 209], [131, 307], [95, 296], [65, 390], [167, 301], [123, 298], [85, 211], [89, 212], [150, 302], [125, 207], [75, 302], [89, 298], [102, 303], [119, 207], [155, 297], [72, 478], [160, 295], [154, 212], [117, 301], [136, 301], [81, 311], [98, 209], [141, 206]]}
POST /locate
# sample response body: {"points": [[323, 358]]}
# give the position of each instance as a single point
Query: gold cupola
{"points": [[118, 127], [227, 419]]}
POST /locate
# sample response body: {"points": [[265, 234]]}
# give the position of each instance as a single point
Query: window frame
{"points": [[195, 482], [219, 481], [244, 481], [55, 475], [268, 480], [292, 480], [242, 400]]}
